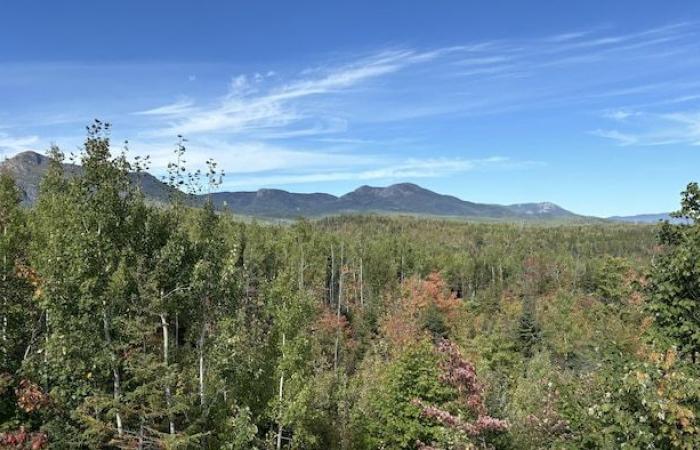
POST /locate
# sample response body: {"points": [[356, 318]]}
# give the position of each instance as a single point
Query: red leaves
{"points": [[30, 397], [482, 424], [329, 322], [23, 439], [461, 374]]}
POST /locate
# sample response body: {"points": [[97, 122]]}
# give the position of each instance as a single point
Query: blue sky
{"points": [[593, 105]]}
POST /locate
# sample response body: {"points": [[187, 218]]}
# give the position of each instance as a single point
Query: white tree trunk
{"points": [[331, 297], [168, 397], [201, 367], [115, 369], [5, 305], [281, 391], [337, 315], [301, 269]]}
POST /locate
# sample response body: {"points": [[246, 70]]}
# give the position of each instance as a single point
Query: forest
{"points": [[132, 325]]}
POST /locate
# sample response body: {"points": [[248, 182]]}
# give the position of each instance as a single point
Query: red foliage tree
{"points": [[461, 375]]}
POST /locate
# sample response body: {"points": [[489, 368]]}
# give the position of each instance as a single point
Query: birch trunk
{"points": [[5, 305], [301, 269], [331, 291], [200, 344], [281, 391], [115, 370], [337, 315], [177, 332], [168, 397]]}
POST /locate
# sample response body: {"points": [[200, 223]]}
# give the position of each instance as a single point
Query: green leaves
{"points": [[674, 281]]}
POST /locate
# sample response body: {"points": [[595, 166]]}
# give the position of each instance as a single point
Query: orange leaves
{"points": [[329, 322], [30, 397], [30, 276], [405, 321], [329, 325], [400, 330]]}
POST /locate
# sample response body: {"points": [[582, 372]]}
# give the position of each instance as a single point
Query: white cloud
{"points": [[14, 144], [248, 157], [615, 135], [270, 105], [565, 37], [652, 129], [177, 108], [250, 105], [410, 168], [620, 114]]}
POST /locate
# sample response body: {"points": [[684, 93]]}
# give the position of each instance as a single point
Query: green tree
{"points": [[85, 231], [674, 281]]}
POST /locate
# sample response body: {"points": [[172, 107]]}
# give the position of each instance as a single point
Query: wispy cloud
{"points": [[13, 144], [252, 105], [178, 108], [651, 129], [620, 114], [330, 97], [411, 168]]}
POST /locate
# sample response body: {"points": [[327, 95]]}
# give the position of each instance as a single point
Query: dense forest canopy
{"points": [[129, 325]]}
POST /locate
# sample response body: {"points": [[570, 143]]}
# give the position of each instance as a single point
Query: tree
{"points": [[651, 403], [17, 310], [528, 328], [674, 281], [86, 229]]}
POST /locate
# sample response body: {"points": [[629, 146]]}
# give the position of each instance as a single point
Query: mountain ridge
{"points": [[648, 218], [27, 168]]}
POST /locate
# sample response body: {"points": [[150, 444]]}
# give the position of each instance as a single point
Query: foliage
{"points": [[674, 281]]}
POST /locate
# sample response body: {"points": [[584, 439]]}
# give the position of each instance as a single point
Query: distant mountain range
{"points": [[647, 218], [28, 168]]}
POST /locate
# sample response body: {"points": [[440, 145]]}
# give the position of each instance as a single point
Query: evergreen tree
{"points": [[528, 329]]}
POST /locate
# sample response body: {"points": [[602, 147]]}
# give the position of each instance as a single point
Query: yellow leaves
{"points": [[641, 377], [655, 357], [685, 417], [670, 359]]}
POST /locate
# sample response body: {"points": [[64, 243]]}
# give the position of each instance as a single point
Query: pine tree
{"points": [[528, 329]]}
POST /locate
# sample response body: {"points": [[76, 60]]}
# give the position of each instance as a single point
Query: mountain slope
{"points": [[541, 210], [28, 168]]}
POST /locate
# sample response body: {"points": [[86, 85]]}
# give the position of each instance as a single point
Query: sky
{"points": [[592, 105]]}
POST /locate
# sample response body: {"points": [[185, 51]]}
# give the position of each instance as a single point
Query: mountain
{"points": [[541, 210], [404, 198], [413, 199], [28, 168], [648, 218], [275, 203]]}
